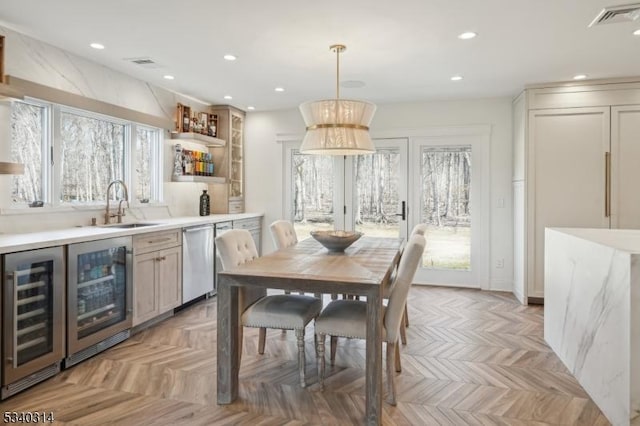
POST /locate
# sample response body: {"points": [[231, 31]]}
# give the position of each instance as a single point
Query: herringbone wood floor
{"points": [[472, 357]]}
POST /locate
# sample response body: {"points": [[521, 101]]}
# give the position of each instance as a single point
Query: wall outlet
{"points": [[500, 263]]}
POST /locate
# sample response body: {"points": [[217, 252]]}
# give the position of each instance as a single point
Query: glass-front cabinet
{"points": [[229, 198], [99, 294], [33, 317]]}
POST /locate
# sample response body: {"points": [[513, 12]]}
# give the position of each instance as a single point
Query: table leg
{"points": [[228, 341], [374, 359]]}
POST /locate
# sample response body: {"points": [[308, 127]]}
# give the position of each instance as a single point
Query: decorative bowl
{"points": [[336, 241]]}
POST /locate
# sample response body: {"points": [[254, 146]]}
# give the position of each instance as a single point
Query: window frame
{"points": [[51, 179]]}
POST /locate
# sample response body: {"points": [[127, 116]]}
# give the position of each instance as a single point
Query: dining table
{"points": [[363, 269]]}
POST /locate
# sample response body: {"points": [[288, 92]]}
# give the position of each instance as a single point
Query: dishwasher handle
{"points": [[197, 228]]}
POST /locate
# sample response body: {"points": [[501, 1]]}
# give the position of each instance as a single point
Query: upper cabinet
{"points": [[581, 151], [229, 198]]}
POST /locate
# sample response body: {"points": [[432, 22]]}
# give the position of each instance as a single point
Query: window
{"points": [[92, 156], [84, 152], [28, 125]]}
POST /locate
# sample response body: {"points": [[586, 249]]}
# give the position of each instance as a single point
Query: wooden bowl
{"points": [[336, 241]]}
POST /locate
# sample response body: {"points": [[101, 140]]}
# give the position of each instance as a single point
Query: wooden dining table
{"points": [[362, 269]]}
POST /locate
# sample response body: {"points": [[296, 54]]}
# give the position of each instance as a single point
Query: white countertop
{"points": [[19, 242], [620, 239]]}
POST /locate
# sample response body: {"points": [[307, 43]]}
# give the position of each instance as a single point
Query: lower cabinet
{"points": [[157, 274]]}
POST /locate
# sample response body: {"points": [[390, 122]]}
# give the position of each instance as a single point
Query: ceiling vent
{"points": [[143, 62], [615, 14]]}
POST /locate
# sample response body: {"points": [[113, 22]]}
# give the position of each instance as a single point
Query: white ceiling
{"points": [[405, 50]]}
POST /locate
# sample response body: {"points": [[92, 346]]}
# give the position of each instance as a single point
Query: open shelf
{"points": [[202, 179], [208, 141]]}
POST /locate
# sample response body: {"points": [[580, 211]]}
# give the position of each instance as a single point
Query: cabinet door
{"points": [[625, 173], [567, 177], [169, 278], [145, 297]]}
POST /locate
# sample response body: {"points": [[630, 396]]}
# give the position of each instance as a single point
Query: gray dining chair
{"points": [[348, 318], [280, 311]]}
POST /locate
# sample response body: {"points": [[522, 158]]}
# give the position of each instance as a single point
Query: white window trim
{"points": [[51, 157]]}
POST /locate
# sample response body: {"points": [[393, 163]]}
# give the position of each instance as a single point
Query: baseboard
{"points": [[501, 285], [536, 300]]}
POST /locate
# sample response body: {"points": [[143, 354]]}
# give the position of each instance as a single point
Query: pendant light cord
{"points": [[337, 73]]}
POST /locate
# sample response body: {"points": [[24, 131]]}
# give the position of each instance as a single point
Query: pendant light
{"points": [[337, 126]]}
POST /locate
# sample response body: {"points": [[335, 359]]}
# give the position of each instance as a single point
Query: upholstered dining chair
{"points": [[419, 229], [284, 235], [348, 318], [280, 311]]}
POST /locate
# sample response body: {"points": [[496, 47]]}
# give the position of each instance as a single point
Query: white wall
{"points": [[39, 62], [264, 161]]}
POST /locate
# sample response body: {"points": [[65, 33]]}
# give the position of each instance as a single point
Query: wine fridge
{"points": [[99, 293], [33, 317]]}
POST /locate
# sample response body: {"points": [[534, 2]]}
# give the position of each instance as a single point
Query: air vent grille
{"points": [[143, 62], [615, 14]]}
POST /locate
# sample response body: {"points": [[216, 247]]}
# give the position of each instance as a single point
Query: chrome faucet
{"points": [[108, 215]]}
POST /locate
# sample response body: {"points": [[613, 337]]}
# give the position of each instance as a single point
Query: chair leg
{"points": [[406, 315], [240, 339], [321, 362], [391, 355], [261, 340], [300, 338], [403, 333], [334, 345], [397, 357]]}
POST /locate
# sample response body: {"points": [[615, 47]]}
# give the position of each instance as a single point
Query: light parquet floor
{"points": [[472, 358]]}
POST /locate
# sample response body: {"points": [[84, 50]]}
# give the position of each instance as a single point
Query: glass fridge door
{"points": [[99, 291], [33, 311]]}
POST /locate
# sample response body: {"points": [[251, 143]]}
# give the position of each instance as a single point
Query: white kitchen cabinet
{"points": [[576, 159], [157, 271]]}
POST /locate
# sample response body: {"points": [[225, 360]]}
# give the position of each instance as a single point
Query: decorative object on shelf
{"points": [[213, 125], [336, 241], [190, 121], [178, 161], [205, 203], [183, 118], [337, 126]]}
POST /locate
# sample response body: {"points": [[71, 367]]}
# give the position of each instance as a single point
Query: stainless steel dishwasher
{"points": [[197, 262]]}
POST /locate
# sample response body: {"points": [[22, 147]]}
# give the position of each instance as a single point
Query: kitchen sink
{"points": [[130, 225]]}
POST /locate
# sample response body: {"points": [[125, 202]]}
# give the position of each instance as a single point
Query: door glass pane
{"points": [[34, 310], [445, 208], [101, 289], [92, 156], [311, 193], [377, 193]]}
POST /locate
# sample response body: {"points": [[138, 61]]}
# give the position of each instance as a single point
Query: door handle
{"points": [[404, 211]]}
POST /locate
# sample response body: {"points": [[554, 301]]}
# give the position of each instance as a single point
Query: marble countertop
{"points": [[28, 241], [620, 239]]}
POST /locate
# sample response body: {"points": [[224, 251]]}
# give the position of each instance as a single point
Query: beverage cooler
{"points": [[33, 317], [99, 296]]}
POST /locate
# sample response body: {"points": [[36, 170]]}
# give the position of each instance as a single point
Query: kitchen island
{"points": [[592, 313]]}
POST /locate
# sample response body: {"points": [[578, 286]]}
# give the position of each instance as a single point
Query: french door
{"points": [[387, 193]]}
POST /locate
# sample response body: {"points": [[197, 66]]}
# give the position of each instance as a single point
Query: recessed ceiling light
{"points": [[97, 46], [467, 36], [251, 108], [636, 32], [229, 57], [168, 77], [579, 77], [456, 78], [279, 89], [228, 97]]}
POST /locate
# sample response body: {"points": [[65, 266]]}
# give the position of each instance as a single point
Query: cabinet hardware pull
{"points": [[159, 240], [607, 184]]}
